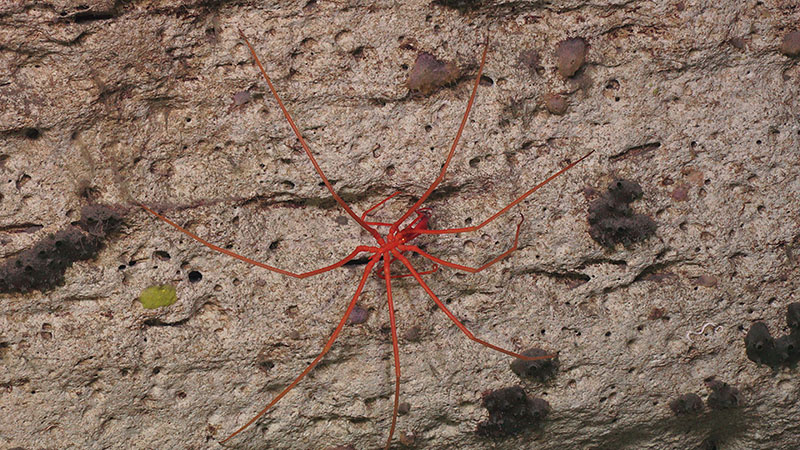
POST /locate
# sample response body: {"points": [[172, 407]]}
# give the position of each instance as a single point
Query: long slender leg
{"points": [[455, 320], [395, 348], [415, 249], [378, 205], [310, 155], [427, 272], [394, 277], [378, 224], [325, 349], [452, 148], [507, 207], [359, 249]]}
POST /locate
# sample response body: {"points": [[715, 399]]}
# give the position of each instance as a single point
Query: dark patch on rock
{"points": [[462, 6], [540, 369], [612, 220], [43, 266], [100, 220], [686, 404], [529, 59], [723, 395], [511, 411], [429, 74], [413, 334], [710, 443], [793, 316]]}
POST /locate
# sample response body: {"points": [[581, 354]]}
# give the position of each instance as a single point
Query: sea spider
{"points": [[388, 247]]}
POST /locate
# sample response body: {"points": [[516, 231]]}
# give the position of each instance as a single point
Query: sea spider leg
{"points": [[325, 349], [310, 155], [453, 318], [415, 249], [345, 260], [439, 179], [378, 205], [509, 206], [406, 275], [395, 347]]}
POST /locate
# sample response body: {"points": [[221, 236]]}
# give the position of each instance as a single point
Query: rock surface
{"points": [[159, 102]]}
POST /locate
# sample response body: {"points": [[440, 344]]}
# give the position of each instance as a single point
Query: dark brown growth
{"points": [[541, 369], [686, 404], [762, 348], [759, 345], [570, 55], [100, 220], [43, 265], [723, 395], [612, 220], [790, 45], [429, 74], [529, 59], [787, 348], [462, 6], [511, 411]]}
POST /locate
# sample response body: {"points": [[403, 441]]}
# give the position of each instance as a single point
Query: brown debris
{"points": [[430, 74]]}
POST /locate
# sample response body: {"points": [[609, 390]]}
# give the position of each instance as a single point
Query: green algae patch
{"points": [[158, 296]]}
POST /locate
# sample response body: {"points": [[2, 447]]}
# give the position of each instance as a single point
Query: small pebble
{"points": [[358, 316], [570, 55], [403, 408], [706, 280], [556, 103], [241, 97], [790, 45]]}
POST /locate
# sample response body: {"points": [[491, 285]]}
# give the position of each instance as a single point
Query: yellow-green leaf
{"points": [[158, 296]]}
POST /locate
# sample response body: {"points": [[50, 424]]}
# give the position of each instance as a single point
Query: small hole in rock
{"points": [[32, 133]]}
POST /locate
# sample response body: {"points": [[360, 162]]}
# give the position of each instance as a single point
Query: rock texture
{"points": [[159, 102]]}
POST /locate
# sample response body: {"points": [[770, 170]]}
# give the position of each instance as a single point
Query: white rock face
{"points": [[160, 103]]}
